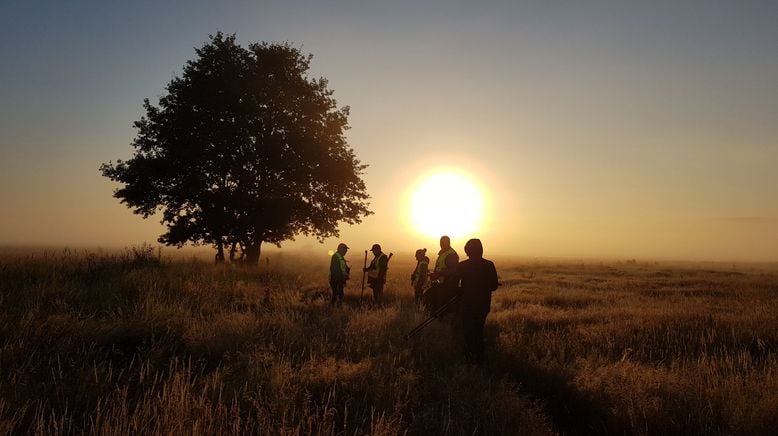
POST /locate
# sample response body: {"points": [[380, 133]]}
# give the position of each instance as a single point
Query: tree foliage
{"points": [[243, 148]]}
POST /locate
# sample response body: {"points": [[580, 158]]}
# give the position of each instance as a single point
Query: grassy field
{"points": [[121, 343]]}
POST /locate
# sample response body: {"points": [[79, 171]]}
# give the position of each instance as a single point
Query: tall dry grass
{"points": [[644, 349], [129, 342]]}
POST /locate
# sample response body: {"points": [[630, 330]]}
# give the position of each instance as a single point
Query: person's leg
{"points": [[340, 292], [334, 288], [472, 324], [467, 334], [478, 338]]}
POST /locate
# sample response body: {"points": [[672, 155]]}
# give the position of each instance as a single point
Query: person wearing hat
{"points": [[376, 272], [339, 271], [419, 275], [477, 279]]}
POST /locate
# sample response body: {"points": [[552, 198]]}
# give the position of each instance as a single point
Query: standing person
{"points": [[419, 275], [376, 272], [445, 267], [339, 273], [477, 279]]}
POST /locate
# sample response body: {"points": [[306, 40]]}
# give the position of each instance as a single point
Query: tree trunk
{"points": [[233, 250], [220, 251], [252, 254]]}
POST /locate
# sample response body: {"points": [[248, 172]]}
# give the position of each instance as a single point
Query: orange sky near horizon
{"points": [[598, 131]]}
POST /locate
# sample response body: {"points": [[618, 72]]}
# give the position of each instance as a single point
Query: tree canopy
{"points": [[244, 148]]}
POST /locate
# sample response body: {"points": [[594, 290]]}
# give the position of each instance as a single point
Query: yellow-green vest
{"points": [[440, 264], [343, 266], [377, 262], [417, 277]]}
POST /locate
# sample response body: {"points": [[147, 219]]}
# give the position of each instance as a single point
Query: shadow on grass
{"points": [[573, 412]]}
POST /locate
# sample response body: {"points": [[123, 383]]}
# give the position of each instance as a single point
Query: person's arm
{"points": [[334, 268], [372, 269], [493, 283], [455, 277]]}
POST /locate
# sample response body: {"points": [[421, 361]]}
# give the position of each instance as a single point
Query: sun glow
{"points": [[446, 203]]}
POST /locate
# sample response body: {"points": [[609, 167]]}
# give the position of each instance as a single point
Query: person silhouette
{"points": [[476, 279], [419, 276], [339, 273], [445, 267], [376, 272]]}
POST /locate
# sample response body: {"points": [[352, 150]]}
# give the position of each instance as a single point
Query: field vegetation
{"points": [[137, 343]]}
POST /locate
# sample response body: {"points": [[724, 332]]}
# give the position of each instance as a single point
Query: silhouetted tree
{"points": [[244, 148]]}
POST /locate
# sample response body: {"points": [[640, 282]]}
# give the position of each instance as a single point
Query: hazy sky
{"points": [[620, 129]]}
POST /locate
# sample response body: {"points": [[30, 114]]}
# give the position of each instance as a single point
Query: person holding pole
{"points": [[445, 267], [339, 274], [376, 272]]}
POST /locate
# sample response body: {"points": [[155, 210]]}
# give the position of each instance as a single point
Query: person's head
{"points": [[474, 249], [445, 242], [342, 248], [421, 254], [376, 249]]}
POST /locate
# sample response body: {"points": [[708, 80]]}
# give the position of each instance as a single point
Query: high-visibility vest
{"points": [[377, 262], [343, 266], [417, 277], [440, 264]]}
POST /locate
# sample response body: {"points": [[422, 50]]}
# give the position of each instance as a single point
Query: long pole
{"points": [[362, 294], [432, 317]]}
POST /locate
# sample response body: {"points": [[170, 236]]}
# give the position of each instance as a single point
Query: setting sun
{"points": [[447, 203]]}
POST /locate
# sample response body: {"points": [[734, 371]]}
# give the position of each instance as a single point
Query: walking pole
{"points": [[436, 314], [362, 294]]}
